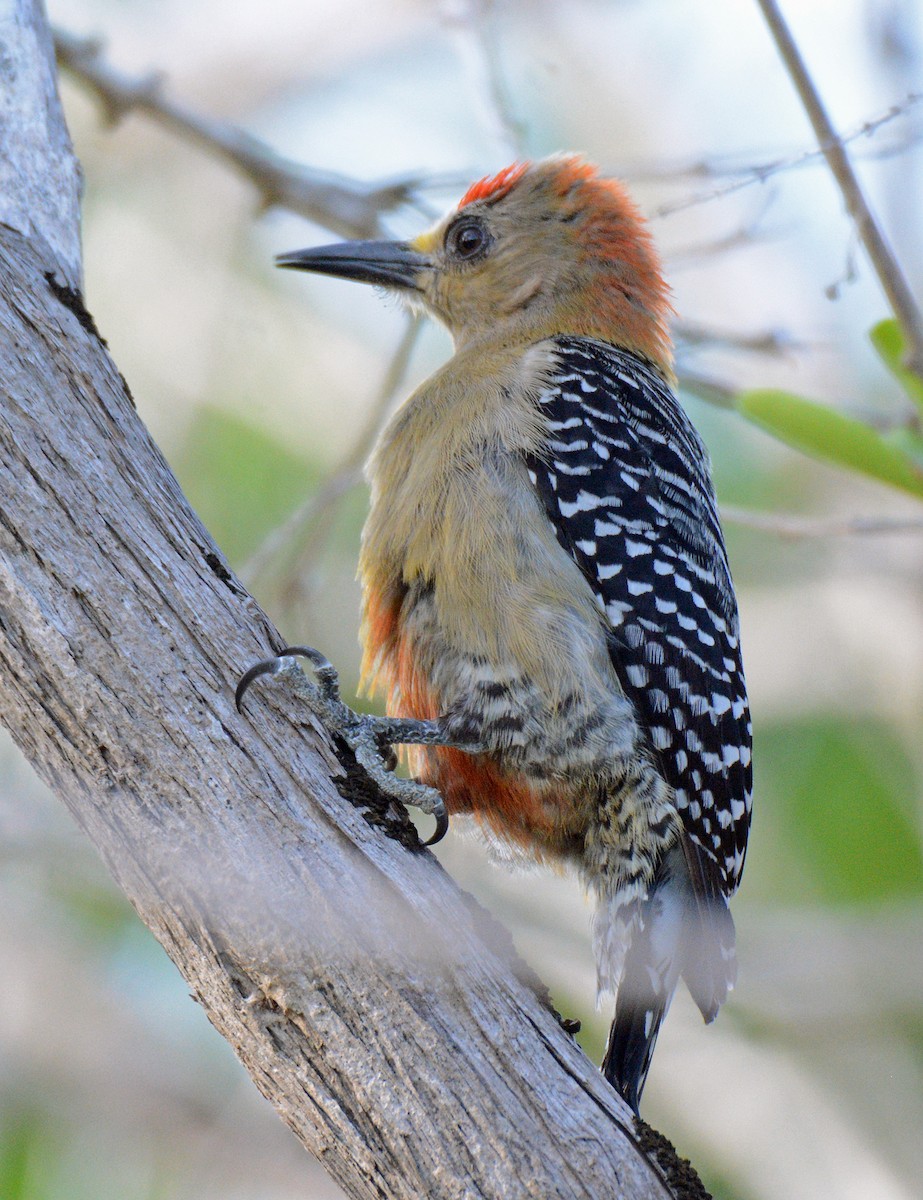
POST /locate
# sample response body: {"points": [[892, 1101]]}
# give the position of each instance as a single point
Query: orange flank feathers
{"points": [[518, 811]]}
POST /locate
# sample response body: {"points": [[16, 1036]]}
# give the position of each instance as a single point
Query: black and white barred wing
{"points": [[627, 487]]}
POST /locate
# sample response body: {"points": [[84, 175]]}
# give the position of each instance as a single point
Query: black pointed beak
{"points": [[389, 264]]}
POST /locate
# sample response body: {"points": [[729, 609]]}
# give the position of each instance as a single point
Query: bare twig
{"points": [[759, 173], [812, 527], [694, 253], [712, 391], [315, 515], [769, 341], [348, 207], [886, 266]]}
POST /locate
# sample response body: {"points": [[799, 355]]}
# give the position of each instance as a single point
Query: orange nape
{"points": [[544, 214]]}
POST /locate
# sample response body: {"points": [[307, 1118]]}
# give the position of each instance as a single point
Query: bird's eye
{"points": [[467, 239]]}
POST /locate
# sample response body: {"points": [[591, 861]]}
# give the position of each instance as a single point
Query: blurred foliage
{"points": [[100, 914], [825, 433], [830, 435], [843, 793], [241, 481], [41, 1159], [24, 1157], [888, 340], [894, 457]]}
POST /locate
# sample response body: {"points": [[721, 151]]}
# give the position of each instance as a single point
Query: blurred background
{"points": [[261, 386]]}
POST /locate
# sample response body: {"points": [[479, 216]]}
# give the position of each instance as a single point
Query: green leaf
{"points": [[888, 339], [818, 430]]}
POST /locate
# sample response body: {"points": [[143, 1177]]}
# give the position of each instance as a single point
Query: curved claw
{"points": [[270, 666], [324, 669], [371, 738], [442, 826], [327, 678]]}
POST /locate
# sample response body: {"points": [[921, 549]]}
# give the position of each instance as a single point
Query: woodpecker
{"points": [[547, 603]]}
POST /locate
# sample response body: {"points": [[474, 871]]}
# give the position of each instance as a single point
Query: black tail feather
{"points": [[680, 931], [646, 988], [631, 1047]]}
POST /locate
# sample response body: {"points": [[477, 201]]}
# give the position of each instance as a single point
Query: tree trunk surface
{"points": [[375, 1005]]}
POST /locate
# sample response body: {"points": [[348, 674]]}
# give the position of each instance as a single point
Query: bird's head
{"points": [[539, 250]]}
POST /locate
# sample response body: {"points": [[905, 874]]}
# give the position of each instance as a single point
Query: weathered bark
{"points": [[373, 1004]]}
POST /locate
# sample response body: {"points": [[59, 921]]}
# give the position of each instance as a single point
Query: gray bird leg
{"points": [[365, 734]]}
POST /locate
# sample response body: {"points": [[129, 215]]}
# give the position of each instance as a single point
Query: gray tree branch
{"points": [[348, 207], [376, 1006]]}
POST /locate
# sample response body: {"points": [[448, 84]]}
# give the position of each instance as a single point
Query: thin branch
{"points": [[694, 253], [886, 266], [749, 175], [316, 514], [704, 387], [811, 527], [768, 341], [348, 207]]}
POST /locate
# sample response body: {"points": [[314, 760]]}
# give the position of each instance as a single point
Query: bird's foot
{"points": [[369, 737]]}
